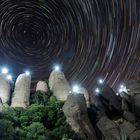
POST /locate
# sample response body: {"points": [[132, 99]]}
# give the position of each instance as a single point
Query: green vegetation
{"points": [[42, 120]]}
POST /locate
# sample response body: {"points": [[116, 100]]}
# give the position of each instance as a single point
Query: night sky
{"points": [[90, 39]]}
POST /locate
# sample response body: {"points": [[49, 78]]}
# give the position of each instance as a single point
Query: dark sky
{"points": [[89, 38]]}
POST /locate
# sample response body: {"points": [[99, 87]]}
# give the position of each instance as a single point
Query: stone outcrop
{"points": [[128, 130], [109, 129], [127, 125], [134, 93], [59, 85], [75, 111], [42, 86], [4, 89], [21, 93], [110, 98], [86, 95]]}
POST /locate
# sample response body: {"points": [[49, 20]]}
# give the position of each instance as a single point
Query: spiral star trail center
{"points": [[88, 38]]}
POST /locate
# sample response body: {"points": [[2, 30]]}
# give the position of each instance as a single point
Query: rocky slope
{"points": [[106, 116]]}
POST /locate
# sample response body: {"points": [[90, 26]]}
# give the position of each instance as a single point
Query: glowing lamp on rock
{"points": [[57, 68], [75, 89], [27, 73], [101, 81], [4, 70], [97, 90], [9, 77]]}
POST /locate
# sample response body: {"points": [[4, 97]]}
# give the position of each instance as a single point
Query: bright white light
{"points": [[4, 71], [123, 89], [101, 81], [97, 90], [70, 92], [9, 77], [27, 73], [120, 90], [57, 68], [75, 88], [121, 86]]}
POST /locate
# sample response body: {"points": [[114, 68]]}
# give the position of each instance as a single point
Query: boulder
{"points": [[135, 100], [135, 135], [42, 86], [96, 103], [133, 87], [129, 116], [126, 128], [125, 106], [21, 93], [110, 98], [75, 110], [109, 129], [4, 89], [59, 85]]}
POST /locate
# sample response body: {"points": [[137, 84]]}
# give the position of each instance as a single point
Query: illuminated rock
{"points": [[4, 89], [59, 85], [75, 110], [22, 91], [42, 86]]}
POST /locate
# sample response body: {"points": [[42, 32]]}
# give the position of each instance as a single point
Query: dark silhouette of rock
{"points": [[133, 87], [97, 104], [110, 98], [76, 114]]}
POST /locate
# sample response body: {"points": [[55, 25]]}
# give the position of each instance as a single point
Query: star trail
{"points": [[89, 38]]}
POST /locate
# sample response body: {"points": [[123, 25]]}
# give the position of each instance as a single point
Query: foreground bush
{"points": [[42, 120]]}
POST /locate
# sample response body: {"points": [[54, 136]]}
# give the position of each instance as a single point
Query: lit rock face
{"points": [[59, 85], [22, 91], [75, 110], [4, 89], [42, 86], [86, 95]]}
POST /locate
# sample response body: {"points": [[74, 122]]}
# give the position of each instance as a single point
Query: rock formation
{"points": [[59, 85], [21, 93], [4, 89], [42, 86], [117, 117], [86, 95], [134, 93], [110, 98], [75, 111], [109, 129]]}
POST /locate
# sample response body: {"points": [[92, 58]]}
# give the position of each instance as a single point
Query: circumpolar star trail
{"points": [[90, 38]]}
